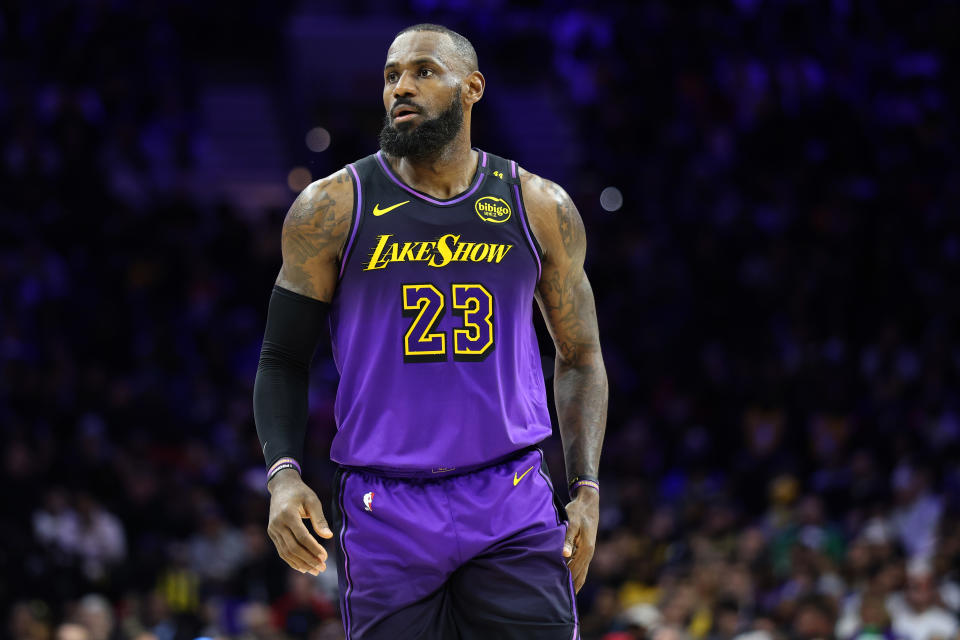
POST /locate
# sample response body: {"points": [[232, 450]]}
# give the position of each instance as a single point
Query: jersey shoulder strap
{"points": [[498, 167], [508, 172], [367, 170]]}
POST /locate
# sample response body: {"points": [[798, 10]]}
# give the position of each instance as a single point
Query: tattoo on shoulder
{"points": [[314, 229], [568, 221], [570, 225]]}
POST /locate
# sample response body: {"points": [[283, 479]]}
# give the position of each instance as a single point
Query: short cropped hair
{"points": [[462, 45]]}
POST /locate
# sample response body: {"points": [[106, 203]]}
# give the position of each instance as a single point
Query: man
{"points": [[424, 258], [917, 613]]}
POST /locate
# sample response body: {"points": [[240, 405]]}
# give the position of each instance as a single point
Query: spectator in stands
{"points": [[917, 512], [815, 619], [72, 631], [874, 621], [302, 607], [669, 632], [29, 620], [97, 538], [54, 520], [918, 615], [218, 549], [258, 623], [727, 623], [95, 615]]}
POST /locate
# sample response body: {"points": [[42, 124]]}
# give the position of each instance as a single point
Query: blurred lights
{"points": [[611, 199], [318, 139], [299, 178]]}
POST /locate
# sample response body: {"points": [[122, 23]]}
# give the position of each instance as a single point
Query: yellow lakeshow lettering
{"points": [[498, 251], [463, 250], [444, 250], [407, 251], [375, 256], [436, 253], [479, 252], [424, 248]]}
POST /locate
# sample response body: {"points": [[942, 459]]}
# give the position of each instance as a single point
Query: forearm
{"points": [[280, 405], [581, 396], [294, 326]]}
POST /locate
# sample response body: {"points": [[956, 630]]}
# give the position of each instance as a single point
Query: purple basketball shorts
{"points": [[476, 555]]}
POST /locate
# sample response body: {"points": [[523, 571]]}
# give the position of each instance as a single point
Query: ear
{"points": [[473, 87]]}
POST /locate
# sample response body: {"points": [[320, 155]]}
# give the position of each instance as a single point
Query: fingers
{"points": [[315, 513], [296, 545], [580, 577], [573, 530], [307, 541], [579, 549], [580, 538], [288, 555], [306, 547], [578, 565], [293, 554]]}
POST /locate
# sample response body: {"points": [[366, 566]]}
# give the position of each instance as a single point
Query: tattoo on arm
{"points": [[567, 303], [580, 380], [564, 292], [571, 227], [314, 231], [568, 225]]}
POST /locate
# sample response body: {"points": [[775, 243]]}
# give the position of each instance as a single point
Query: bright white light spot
{"points": [[299, 178], [611, 199], [318, 139]]}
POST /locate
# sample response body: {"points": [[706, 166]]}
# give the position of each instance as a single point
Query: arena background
{"points": [[770, 191]]}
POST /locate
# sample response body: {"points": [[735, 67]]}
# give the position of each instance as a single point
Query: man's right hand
{"points": [[292, 501]]}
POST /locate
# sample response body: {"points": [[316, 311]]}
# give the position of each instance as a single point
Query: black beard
{"points": [[426, 140]]}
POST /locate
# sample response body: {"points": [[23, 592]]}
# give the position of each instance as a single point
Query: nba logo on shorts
{"points": [[368, 501]]}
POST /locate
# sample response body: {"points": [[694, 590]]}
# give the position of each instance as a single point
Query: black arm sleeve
{"points": [[294, 326]]}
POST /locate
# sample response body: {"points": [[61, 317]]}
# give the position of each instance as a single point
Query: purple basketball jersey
{"points": [[432, 325]]}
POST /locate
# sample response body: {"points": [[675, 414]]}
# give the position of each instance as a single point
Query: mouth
{"points": [[405, 113]]}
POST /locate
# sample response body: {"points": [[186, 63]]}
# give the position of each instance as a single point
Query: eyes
{"points": [[423, 72]]}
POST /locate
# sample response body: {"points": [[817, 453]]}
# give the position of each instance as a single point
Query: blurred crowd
{"points": [[777, 300]]}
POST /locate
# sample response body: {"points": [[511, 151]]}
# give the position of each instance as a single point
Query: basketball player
{"points": [[424, 259]]}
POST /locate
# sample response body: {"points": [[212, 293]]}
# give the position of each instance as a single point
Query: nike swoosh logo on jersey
{"points": [[516, 480], [377, 211]]}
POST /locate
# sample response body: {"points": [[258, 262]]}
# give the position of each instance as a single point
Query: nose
{"points": [[405, 86]]}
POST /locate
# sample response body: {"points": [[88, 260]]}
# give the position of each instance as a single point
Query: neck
{"points": [[444, 174]]}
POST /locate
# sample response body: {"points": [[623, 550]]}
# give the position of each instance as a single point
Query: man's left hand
{"points": [[584, 516]]}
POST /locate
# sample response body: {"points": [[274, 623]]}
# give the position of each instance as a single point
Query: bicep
{"points": [[563, 293], [314, 232], [566, 301]]}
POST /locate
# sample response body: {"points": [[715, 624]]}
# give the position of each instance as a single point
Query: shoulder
{"points": [[553, 217], [314, 235], [325, 201]]}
